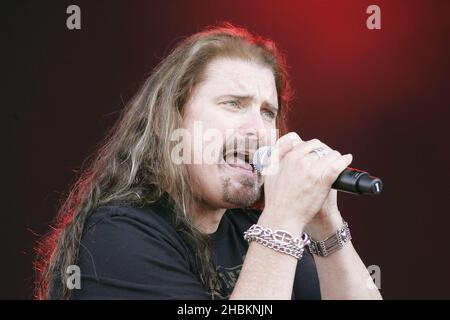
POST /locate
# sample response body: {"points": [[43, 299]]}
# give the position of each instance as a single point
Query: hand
{"points": [[297, 182], [327, 220]]}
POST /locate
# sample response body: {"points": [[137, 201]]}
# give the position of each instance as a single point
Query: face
{"points": [[229, 113]]}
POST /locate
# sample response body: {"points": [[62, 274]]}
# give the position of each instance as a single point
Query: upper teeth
{"points": [[240, 155]]}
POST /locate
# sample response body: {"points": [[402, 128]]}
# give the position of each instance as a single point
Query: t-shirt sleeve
{"points": [[122, 257]]}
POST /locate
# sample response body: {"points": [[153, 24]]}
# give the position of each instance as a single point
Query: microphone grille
{"points": [[261, 157]]}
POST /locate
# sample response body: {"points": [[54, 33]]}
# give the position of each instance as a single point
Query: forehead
{"points": [[240, 77]]}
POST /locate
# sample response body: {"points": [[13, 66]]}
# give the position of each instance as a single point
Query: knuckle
{"points": [[336, 168], [336, 153], [293, 136], [291, 139], [331, 172]]}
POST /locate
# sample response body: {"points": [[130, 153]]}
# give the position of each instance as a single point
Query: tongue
{"points": [[238, 162]]}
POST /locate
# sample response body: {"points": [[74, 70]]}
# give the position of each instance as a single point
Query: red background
{"points": [[382, 95]]}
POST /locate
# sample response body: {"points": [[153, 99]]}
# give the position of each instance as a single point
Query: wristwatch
{"points": [[331, 244]]}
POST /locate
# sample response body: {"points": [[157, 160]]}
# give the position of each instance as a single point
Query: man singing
{"points": [[140, 224]]}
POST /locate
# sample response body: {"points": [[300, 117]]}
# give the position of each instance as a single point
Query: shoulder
{"points": [[128, 251], [122, 236], [149, 215], [131, 226]]}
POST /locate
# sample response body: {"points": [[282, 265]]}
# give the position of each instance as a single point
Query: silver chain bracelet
{"points": [[278, 240]]}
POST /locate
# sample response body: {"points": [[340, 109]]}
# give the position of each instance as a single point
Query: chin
{"points": [[240, 193]]}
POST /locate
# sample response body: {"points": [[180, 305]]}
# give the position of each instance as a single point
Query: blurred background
{"points": [[382, 95]]}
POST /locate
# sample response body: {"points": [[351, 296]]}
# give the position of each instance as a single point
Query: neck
{"points": [[206, 218]]}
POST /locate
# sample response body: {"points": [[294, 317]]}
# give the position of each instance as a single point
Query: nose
{"points": [[254, 127]]}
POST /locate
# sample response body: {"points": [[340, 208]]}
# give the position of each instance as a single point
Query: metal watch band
{"points": [[331, 244]]}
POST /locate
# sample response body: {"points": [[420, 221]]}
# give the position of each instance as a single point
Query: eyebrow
{"points": [[247, 98]]}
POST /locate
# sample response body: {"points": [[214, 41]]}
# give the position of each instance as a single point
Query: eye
{"points": [[269, 114], [232, 103]]}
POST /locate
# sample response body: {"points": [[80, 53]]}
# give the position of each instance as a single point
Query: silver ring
{"points": [[321, 152]]}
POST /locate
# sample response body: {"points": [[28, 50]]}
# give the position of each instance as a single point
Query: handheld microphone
{"points": [[350, 180]]}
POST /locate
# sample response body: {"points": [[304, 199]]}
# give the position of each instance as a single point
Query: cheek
{"points": [[271, 135], [274, 135], [205, 179]]}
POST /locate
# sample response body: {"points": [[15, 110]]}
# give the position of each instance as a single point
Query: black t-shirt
{"points": [[130, 252]]}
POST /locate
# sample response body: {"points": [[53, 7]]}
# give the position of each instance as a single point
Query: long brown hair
{"points": [[133, 163]]}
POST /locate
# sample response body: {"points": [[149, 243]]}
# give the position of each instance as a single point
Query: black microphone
{"points": [[350, 180]]}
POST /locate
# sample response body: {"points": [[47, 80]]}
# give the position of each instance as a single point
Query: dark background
{"points": [[382, 95]]}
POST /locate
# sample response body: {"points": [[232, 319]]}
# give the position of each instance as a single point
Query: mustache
{"points": [[241, 146]]}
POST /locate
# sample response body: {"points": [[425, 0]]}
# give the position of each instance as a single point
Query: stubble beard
{"points": [[243, 196]]}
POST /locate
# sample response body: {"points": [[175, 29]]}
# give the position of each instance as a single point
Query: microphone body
{"points": [[356, 181], [350, 180]]}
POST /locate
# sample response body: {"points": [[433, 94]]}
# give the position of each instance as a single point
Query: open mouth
{"points": [[240, 160]]}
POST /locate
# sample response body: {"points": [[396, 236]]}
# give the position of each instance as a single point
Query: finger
{"points": [[319, 166], [326, 159], [335, 168], [282, 147], [305, 148], [286, 143]]}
